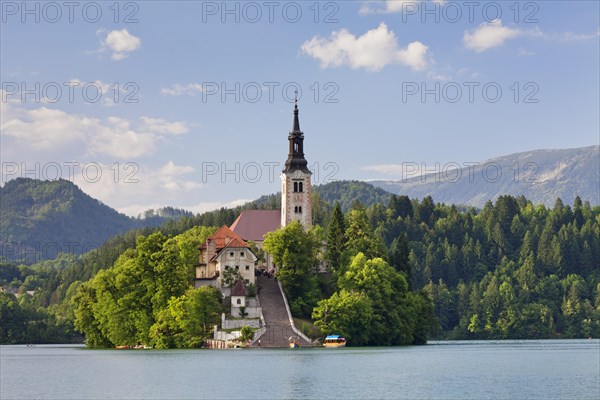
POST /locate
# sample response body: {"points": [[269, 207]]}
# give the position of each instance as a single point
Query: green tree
{"points": [[336, 239], [347, 314], [398, 256], [246, 333], [295, 252], [187, 320], [359, 235], [395, 313]]}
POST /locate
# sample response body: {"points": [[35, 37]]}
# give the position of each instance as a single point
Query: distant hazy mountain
{"points": [[540, 175]]}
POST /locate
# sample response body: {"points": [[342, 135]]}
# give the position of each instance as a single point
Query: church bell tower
{"points": [[295, 180]]}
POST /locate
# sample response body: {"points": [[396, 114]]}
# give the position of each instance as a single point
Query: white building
{"points": [[222, 251]]}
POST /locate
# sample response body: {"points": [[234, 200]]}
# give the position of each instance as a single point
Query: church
{"points": [[228, 248]]}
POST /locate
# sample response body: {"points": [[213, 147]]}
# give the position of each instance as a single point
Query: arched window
{"points": [[239, 301], [295, 187], [300, 188], [296, 147], [296, 209], [300, 210]]}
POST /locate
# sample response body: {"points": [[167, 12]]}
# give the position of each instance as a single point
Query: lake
{"points": [[545, 369]]}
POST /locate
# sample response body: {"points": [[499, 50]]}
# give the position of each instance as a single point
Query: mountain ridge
{"points": [[541, 176]]}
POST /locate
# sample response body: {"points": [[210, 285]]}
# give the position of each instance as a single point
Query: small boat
{"points": [[334, 341], [122, 347], [294, 342]]}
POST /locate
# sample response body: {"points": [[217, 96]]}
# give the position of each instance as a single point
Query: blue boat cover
{"points": [[332, 337]]}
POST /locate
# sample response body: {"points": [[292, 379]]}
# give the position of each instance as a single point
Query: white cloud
{"points": [[46, 129], [163, 126], [388, 169], [179, 89], [394, 6], [120, 42], [523, 52], [489, 35], [570, 36], [136, 209], [112, 93], [372, 51], [132, 188], [215, 205], [386, 7], [43, 128], [9, 98], [493, 34], [115, 138]]}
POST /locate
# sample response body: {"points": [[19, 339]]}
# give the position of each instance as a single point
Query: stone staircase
{"points": [[278, 327]]}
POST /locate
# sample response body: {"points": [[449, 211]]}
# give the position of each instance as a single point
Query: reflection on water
{"points": [[546, 369]]}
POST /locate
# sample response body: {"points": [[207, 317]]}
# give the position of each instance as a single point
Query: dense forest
{"points": [[509, 270]]}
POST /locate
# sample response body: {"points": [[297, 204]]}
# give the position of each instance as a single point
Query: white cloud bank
{"points": [[372, 51], [46, 129], [136, 188]]}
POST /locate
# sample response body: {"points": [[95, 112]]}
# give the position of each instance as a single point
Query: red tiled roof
{"points": [[255, 224], [225, 237], [239, 289]]}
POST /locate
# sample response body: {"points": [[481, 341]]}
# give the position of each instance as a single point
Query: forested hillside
{"points": [[348, 192], [40, 219], [513, 270]]}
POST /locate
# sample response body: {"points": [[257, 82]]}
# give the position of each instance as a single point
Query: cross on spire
{"points": [[296, 126]]}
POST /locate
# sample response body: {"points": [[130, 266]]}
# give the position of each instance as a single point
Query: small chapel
{"points": [[228, 248]]}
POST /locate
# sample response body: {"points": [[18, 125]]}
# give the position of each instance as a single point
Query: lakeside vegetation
{"points": [[510, 270]]}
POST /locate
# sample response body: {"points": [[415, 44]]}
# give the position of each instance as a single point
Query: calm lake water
{"points": [[567, 369]]}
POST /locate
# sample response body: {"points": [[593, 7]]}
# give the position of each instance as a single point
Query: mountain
{"points": [[347, 192], [39, 219], [540, 175]]}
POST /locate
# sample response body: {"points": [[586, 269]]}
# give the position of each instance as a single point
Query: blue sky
{"points": [[184, 102]]}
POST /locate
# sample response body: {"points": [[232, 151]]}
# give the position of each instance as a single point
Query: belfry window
{"points": [[296, 147], [295, 187], [300, 210], [300, 189]]}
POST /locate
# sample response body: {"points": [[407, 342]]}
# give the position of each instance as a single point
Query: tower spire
{"points": [[296, 160], [296, 127]]}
